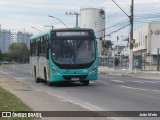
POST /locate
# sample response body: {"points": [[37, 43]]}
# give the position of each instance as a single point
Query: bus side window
{"points": [[47, 47], [34, 47], [37, 46], [40, 46], [43, 45]]}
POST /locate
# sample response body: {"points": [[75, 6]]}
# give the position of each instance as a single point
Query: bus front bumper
{"points": [[73, 77]]}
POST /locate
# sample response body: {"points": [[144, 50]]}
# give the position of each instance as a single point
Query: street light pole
{"points": [[36, 29], [59, 20]]}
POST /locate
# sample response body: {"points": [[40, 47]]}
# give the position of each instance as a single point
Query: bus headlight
{"points": [[94, 69], [55, 70]]}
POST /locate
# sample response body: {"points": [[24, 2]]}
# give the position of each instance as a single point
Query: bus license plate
{"points": [[75, 79]]}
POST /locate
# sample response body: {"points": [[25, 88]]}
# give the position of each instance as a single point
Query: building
{"points": [[118, 50], [5, 40], [95, 19], [21, 37], [147, 41]]}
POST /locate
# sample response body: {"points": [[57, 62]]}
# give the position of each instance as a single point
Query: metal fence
{"points": [[110, 62], [141, 62]]}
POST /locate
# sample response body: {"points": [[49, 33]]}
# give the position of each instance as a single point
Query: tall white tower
{"points": [[94, 18]]}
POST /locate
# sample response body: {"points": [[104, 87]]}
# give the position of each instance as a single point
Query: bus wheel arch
{"points": [[45, 74], [45, 78], [35, 75]]}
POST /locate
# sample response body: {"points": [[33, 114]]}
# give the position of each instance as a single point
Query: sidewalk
{"points": [[41, 101], [125, 72]]}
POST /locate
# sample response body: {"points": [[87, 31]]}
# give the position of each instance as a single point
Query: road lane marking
{"points": [[138, 88], [104, 82], [145, 81], [152, 81], [135, 81], [117, 81], [141, 81], [131, 87], [93, 106], [156, 91]]}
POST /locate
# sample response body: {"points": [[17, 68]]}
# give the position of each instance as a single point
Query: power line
{"points": [[98, 2], [86, 3], [119, 24], [121, 8], [118, 29]]}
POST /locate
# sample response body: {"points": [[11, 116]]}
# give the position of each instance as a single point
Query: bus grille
{"points": [[69, 77]]}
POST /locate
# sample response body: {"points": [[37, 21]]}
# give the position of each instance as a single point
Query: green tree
{"points": [[107, 44], [19, 52], [5, 57]]}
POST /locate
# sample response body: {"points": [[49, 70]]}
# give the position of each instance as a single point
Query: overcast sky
{"points": [[20, 14]]}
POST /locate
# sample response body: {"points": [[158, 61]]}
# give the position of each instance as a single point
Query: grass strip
{"points": [[9, 102]]}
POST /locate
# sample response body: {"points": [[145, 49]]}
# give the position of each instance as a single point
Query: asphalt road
{"points": [[109, 93]]}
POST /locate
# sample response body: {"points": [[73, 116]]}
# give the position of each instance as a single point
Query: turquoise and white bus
{"points": [[68, 54]]}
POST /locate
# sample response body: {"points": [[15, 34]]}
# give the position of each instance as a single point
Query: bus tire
{"points": [[86, 83], [37, 80]]}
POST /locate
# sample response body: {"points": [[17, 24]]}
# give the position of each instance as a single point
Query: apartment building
{"points": [[7, 38], [21, 37], [147, 41]]}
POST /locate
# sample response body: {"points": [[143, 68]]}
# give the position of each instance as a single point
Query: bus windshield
{"points": [[70, 51]]}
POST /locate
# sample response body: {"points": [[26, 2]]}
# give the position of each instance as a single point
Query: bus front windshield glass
{"points": [[73, 51]]}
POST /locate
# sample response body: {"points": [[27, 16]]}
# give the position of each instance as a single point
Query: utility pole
{"points": [[131, 17], [75, 13], [131, 39]]}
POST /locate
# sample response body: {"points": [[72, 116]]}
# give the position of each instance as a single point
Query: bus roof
{"points": [[59, 29]]}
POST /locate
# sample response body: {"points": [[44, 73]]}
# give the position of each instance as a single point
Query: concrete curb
{"points": [[135, 75]]}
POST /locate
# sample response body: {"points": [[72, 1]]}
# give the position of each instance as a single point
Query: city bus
{"points": [[68, 54]]}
